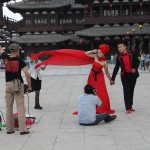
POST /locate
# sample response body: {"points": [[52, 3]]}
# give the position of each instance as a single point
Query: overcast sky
{"points": [[10, 14]]}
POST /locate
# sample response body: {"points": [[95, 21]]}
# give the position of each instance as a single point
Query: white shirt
{"points": [[34, 73]]}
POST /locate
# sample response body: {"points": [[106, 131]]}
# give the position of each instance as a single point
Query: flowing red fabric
{"points": [[68, 57], [65, 57]]}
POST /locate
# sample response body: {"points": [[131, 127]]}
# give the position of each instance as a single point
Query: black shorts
{"points": [[35, 84]]}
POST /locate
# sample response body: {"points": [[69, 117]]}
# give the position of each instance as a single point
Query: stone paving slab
{"points": [[57, 129]]}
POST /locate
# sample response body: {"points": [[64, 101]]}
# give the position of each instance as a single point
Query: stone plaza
{"points": [[56, 128]]}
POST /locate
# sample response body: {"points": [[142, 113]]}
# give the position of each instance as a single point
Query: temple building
{"points": [[108, 21], [80, 24], [47, 24], [4, 34]]}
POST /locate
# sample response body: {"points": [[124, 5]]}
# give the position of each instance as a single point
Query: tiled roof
{"points": [[3, 1], [111, 31], [41, 5], [40, 38], [108, 1], [77, 6], [73, 37]]}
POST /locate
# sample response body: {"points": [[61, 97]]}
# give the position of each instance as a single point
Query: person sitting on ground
{"points": [[87, 103]]}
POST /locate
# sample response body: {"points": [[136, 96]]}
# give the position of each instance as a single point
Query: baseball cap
{"points": [[14, 47]]}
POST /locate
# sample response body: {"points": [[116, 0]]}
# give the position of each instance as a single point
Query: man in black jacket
{"points": [[129, 63]]}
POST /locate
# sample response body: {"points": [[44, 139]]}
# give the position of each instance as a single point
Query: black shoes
{"points": [[111, 118], [23, 133], [38, 107], [10, 132]]}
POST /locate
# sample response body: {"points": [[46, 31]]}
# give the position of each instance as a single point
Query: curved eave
{"points": [[31, 6], [77, 6], [83, 1], [38, 38], [111, 31]]}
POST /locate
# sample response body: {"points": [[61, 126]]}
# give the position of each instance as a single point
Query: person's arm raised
{"points": [[91, 53]]}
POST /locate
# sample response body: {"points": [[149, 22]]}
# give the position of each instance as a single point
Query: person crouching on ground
{"points": [[87, 103]]}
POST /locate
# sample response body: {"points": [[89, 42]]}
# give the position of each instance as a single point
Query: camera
{"points": [[25, 88], [94, 90]]}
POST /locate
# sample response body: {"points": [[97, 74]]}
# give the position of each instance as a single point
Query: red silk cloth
{"points": [[65, 57]]}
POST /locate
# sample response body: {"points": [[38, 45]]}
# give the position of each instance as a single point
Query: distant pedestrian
{"points": [[142, 60]]}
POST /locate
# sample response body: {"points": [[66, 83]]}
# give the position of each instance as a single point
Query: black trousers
{"points": [[128, 82]]}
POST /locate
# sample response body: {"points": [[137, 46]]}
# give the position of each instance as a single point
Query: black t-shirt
{"points": [[13, 67]]}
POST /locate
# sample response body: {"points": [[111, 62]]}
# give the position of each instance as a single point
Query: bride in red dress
{"points": [[97, 80]]}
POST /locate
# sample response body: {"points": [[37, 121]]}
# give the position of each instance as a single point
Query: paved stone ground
{"points": [[57, 129]]}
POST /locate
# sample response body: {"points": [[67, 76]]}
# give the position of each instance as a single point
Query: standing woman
{"points": [[96, 77], [36, 80]]}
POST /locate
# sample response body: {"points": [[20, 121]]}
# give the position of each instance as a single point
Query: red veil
{"points": [[66, 57]]}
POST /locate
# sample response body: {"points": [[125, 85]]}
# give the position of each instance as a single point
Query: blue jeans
{"points": [[99, 118]]}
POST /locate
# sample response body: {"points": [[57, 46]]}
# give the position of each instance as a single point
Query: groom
{"points": [[129, 63]]}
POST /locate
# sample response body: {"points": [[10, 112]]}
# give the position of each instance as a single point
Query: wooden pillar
{"points": [[92, 44], [91, 10], [101, 11], [121, 9], [1, 11], [131, 13]]}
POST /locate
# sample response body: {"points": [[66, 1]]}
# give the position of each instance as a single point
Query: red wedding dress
{"points": [[97, 80]]}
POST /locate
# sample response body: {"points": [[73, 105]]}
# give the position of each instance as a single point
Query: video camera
{"points": [[26, 89]]}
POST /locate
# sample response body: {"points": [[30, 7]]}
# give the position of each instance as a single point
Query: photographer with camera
{"points": [[87, 103], [15, 88]]}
